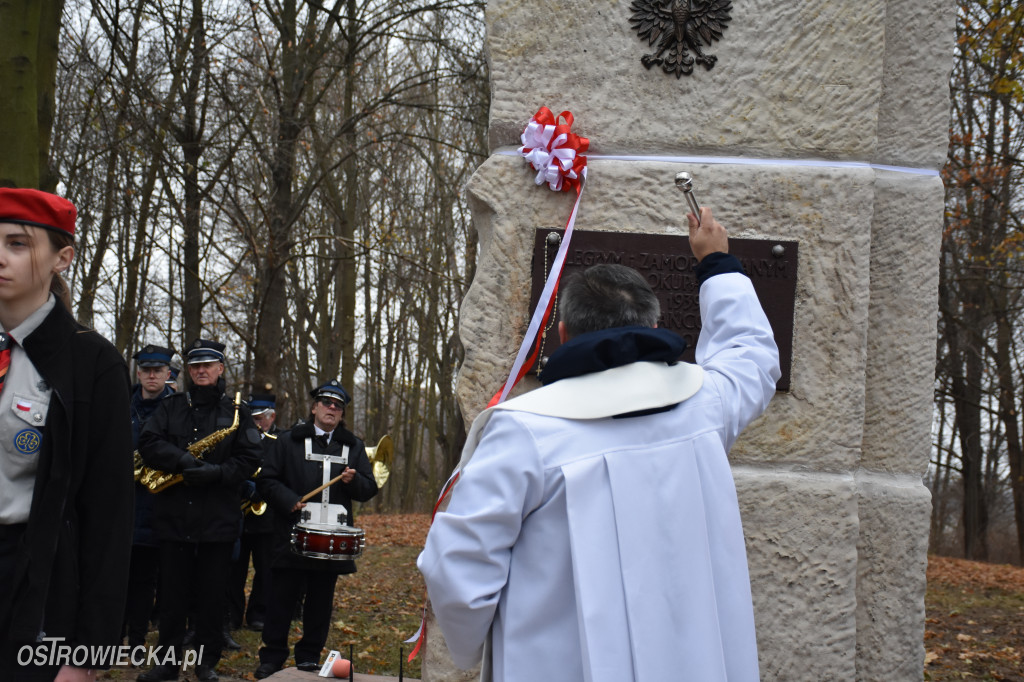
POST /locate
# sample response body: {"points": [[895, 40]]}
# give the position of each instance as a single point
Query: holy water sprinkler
{"points": [[684, 181]]}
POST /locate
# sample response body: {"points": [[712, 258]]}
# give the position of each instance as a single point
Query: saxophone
{"points": [[156, 480]]}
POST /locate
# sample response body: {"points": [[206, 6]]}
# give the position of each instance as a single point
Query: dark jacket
{"points": [[209, 513], [73, 573], [287, 476], [141, 410]]}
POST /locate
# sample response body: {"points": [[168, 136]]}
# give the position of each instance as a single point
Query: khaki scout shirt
{"points": [[24, 403]]}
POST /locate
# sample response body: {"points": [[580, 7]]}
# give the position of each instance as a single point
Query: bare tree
{"points": [[286, 177], [979, 372]]}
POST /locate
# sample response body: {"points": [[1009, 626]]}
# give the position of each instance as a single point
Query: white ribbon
{"points": [[548, 157], [536, 135], [746, 161]]}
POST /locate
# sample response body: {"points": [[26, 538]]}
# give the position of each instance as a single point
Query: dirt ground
{"points": [[975, 621]]}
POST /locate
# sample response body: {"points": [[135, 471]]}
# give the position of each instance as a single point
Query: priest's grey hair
{"points": [[605, 296]]}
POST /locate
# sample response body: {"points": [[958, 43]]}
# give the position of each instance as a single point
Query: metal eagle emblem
{"points": [[680, 27]]}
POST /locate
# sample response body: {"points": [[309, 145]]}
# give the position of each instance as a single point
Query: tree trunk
{"points": [[346, 296], [111, 186], [46, 80], [190, 137], [270, 275], [20, 31]]}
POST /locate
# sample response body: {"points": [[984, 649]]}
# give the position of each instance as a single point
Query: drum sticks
{"points": [[311, 493]]}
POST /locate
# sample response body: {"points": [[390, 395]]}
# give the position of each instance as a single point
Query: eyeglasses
{"points": [[331, 402]]}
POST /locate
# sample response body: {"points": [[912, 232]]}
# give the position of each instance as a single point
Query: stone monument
{"points": [[822, 123]]}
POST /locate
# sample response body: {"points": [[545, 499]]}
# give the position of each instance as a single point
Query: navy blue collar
{"points": [[608, 348]]}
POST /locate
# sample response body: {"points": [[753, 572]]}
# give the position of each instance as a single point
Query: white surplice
{"points": [[582, 547]]}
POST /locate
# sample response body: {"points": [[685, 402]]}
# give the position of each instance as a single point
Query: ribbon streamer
{"points": [[421, 633], [545, 305], [556, 153]]}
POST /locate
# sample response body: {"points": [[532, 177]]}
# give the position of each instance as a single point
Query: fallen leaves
{"points": [[386, 530], [975, 621], [974, 574]]}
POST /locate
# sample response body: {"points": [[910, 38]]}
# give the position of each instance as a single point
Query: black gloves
{"points": [[187, 461], [202, 475]]}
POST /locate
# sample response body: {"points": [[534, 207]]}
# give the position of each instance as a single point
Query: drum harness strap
{"points": [[326, 461]]}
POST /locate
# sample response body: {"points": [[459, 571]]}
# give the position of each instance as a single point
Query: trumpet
{"points": [[381, 456], [250, 507], [156, 480]]}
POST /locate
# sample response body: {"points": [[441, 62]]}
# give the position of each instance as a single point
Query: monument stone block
{"points": [[802, 533], [822, 123]]}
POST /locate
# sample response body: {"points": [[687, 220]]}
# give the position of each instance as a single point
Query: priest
{"points": [[594, 531]]}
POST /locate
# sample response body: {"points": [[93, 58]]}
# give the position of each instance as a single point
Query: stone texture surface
{"points": [[913, 114], [827, 210], [892, 552], [801, 531], [792, 79], [902, 317], [829, 479], [437, 666]]}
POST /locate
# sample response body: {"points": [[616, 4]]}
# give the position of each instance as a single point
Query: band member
{"points": [[302, 460], [198, 520], [65, 453], [153, 369], [264, 412], [594, 533], [257, 532], [172, 380]]}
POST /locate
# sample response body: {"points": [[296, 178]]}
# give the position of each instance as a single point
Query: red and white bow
{"points": [[553, 150]]}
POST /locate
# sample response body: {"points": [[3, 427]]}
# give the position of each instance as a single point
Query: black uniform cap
{"points": [[332, 389], [205, 350], [153, 356]]}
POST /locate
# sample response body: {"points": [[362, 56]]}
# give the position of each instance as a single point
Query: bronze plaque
{"points": [[667, 263]]}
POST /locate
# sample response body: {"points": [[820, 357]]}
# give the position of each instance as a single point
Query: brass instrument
{"points": [[257, 508], [140, 466], [156, 480], [381, 457]]}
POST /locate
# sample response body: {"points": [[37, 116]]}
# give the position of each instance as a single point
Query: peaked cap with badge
{"points": [[262, 402], [331, 389], [153, 356], [205, 350]]}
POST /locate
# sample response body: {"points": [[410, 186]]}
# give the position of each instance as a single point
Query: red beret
{"points": [[33, 207]]}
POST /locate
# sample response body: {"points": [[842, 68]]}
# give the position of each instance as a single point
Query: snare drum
{"points": [[326, 541]]}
